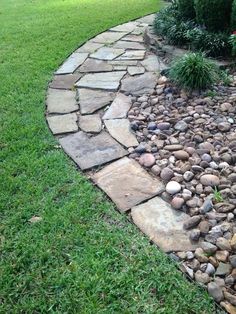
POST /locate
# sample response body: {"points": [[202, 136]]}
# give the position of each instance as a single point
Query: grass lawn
{"points": [[83, 257]]}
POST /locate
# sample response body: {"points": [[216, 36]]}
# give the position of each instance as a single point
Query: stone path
{"points": [[87, 105]]}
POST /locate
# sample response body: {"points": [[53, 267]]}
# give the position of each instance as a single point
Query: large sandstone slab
{"points": [[108, 37], [124, 63], [163, 225], [139, 30], [61, 101], [148, 19], [90, 123], [132, 45], [153, 64], [126, 28], [139, 85], [132, 55], [119, 107], [89, 152], [108, 81], [135, 70], [65, 123], [72, 63], [127, 183], [107, 53], [89, 47], [93, 66], [66, 81], [93, 100], [136, 38], [121, 131]]}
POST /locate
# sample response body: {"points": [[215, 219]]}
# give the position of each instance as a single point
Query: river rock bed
{"points": [[189, 141]]}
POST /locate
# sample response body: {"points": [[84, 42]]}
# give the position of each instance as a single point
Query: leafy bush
{"points": [[232, 41], [213, 44], [214, 14], [233, 16], [168, 24], [194, 72], [186, 9]]}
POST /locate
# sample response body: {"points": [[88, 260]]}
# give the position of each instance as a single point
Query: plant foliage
{"points": [[213, 14], [233, 16], [194, 72], [213, 44], [186, 9], [169, 23]]}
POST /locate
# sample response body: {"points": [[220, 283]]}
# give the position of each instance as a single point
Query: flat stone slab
{"points": [[132, 55], [90, 123], [108, 37], [121, 131], [108, 81], [93, 65], [163, 225], [89, 47], [128, 45], [119, 107], [127, 183], [126, 27], [136, 38], [66, 81], [72, 63], [139, 85], [107, 53], [153, 64], [93, 100], [125, 63], [139, 30], [89, 152], [61, 101], [120, 68], [65, 123], [135, 70], [148, 19]]}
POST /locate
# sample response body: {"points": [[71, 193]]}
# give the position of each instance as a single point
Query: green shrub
{"points": [[232, 41], [233, 16], [169, 25], [194, 72], [214, 14], [186, 9], [176, 31], [212, 44]]}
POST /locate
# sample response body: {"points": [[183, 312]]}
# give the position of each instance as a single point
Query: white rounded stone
{"points": [[173, 187]]}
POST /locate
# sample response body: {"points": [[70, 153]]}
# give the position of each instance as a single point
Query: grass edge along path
{"points": [[83, 257]]}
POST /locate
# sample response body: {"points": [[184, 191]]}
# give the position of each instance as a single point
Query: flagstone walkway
{"points": [[87, 105]]}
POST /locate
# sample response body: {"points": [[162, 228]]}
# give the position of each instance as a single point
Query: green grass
{"points": [[83, 257]]}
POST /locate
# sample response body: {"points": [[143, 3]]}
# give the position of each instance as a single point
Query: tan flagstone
{"points": [[127, 183]]}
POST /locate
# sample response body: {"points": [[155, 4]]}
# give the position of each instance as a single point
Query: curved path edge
{"points": [[86, 109]]}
